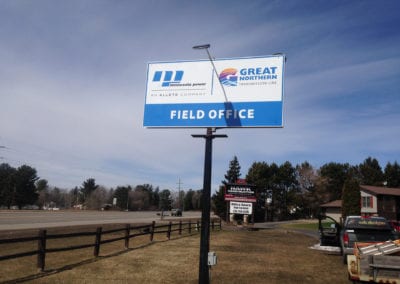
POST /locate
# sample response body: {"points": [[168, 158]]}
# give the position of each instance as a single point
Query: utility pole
{"points": [[179, 194], [127, 199]]}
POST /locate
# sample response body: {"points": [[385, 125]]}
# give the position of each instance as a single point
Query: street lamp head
{"points": [[281, 54], [202, 46]]}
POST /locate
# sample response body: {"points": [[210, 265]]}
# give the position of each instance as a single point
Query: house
{"points": [[332, 209], [380, 201], [375, 201]]}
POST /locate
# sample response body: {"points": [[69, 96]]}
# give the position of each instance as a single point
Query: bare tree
{"points": [[98, 198]]}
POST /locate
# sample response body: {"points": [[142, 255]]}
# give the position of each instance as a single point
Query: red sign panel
{"points": [[240, 192]]}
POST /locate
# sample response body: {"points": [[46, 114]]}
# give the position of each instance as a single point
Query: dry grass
{"points": [[269, 256]]}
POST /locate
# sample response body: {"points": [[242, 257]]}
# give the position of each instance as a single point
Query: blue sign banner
{"points": [[215, 115]]}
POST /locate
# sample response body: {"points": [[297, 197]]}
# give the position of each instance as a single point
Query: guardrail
{"points": [[148, 229]]}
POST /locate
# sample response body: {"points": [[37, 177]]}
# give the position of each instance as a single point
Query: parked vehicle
{"points": [[106, 207], [364, 229], [395, 225], [176, 212], [329, 231]]}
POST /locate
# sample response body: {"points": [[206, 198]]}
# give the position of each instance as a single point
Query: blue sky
{"points": [[73, 80]]}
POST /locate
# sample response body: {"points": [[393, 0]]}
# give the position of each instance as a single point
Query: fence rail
{"points": [[148, 229]]}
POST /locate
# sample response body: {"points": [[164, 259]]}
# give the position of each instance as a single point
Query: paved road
{"points": [[34, 219]]}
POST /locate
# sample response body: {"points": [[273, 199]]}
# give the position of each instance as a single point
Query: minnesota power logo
{"points": [[168, 78], [228, 77]]}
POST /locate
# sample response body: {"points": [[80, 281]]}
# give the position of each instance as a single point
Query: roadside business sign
{"points": [[240, 192], [245, 208], [248, 92]]}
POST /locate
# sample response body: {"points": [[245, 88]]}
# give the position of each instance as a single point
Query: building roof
{"points": [[379, 190], [333, 204], [374, 190]]}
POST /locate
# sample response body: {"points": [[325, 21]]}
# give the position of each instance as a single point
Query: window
{"points": [[367, 202]]}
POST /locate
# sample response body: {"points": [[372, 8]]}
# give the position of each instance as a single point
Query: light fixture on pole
{"points": [[206, 47]]}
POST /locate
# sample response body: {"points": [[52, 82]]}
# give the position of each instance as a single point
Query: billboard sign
{"points": [[248, 92], [240, 192], [245, 208]]}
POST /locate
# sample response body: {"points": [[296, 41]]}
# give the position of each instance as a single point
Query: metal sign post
{"points": [[190, 94], [204, 277]]}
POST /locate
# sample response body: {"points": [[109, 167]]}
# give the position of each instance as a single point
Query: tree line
{"points": [[22, 188], [283, 191], [287, 192]]}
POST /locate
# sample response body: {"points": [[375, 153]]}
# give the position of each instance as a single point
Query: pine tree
{"points": [[371, 172], [219, 204], [233, 174], [351, 197], [392, 175], [88, 186]]}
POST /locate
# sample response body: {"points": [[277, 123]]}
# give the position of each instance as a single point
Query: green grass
{"points": [[307, 226]]}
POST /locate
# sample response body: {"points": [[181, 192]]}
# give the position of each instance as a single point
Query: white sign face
{"points": [[244, 208], [248, 92]]}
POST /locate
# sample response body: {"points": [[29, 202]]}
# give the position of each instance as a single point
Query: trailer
{"points": [[375, 262]]}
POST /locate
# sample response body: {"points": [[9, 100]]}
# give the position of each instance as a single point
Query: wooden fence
{"points": [[149, 229]]}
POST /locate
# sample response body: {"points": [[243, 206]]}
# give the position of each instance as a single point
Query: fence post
{"points": [[169, 230], [220, 223], [97, 242], [190, 227], [212, 224], [198, 225], [180, 227], [41, 259], [153, 224], [127, 234]]}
